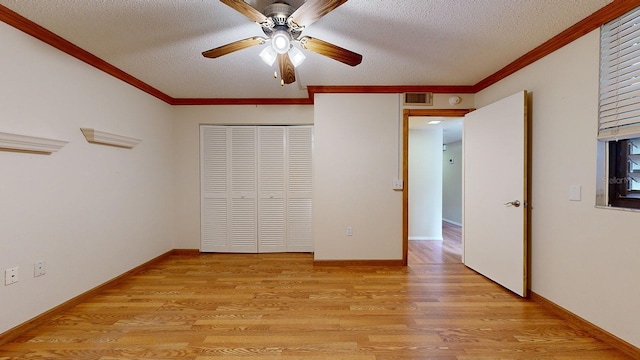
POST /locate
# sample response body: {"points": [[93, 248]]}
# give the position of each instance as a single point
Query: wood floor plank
{"points": [[281, 306]]}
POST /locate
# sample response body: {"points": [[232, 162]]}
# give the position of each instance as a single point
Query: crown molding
{"points": [[23, 24], [30, 144], [590, 23], [104, 138], [240, 101], [390, 89], [313, 90]]}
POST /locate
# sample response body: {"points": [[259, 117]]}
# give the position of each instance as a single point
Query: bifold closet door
{"points": [[271, 189], [285, 189], [228, 189], [214, 180], [299, 188], [256, 189]]}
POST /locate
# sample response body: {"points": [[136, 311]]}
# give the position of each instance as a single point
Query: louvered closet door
{"points": [[256, 189], [271, 189], [214, 189], [228, 189], [243, 209], [299, 189]]}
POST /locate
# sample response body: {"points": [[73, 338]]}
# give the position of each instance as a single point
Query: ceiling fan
{"points": [[283, 26]]}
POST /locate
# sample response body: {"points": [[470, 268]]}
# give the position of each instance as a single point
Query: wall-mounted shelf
{"points": [[31, 144], [105, 138]]}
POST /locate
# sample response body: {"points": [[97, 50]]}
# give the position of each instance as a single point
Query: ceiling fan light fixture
{"points": [[268, 55], [281, 42], [296, 56], [282, 24]]}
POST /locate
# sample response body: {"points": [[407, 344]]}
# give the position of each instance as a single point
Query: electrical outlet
{"points": [[398, 184], [39, 268], [349, 231], [11, 276]]}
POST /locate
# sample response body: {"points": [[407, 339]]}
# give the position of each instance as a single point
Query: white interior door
{"points": [[495, 202]]}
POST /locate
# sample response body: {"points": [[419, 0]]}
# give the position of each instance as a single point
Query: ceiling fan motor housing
{"points": [[279, 12]]}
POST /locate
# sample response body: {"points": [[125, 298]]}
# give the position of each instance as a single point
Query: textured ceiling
{"points": [[407, 42]]}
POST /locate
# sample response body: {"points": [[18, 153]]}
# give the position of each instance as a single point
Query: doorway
{"points": [[445, 244], [496, 213]]}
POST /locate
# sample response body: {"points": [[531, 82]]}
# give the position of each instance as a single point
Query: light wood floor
{"points": [[281, 306], [447, 251]]}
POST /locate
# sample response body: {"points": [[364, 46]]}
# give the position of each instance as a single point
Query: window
{"points": [[619, 108], [624, 173]]}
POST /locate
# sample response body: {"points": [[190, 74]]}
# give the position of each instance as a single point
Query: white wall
{"points": [[584, 259], [187, 153], [356, 158], [425, 184], [452, 183], [91, 212]]}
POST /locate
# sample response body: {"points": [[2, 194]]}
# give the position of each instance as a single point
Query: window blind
{"points": [[619, 105]]}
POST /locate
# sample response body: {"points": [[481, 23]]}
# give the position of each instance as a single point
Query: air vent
{"points": [[418, 99]]}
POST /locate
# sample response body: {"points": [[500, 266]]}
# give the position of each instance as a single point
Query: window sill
{"points": [[617, 208]]}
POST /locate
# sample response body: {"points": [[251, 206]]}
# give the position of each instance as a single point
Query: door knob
{"points": [[515, 203]]}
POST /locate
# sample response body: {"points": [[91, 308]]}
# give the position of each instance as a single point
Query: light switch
{"points": [[574, 193]]}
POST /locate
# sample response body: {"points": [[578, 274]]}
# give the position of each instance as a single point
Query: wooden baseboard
{"points": [[47, 315], [592, 329], [185, 252], [357, 263]]}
